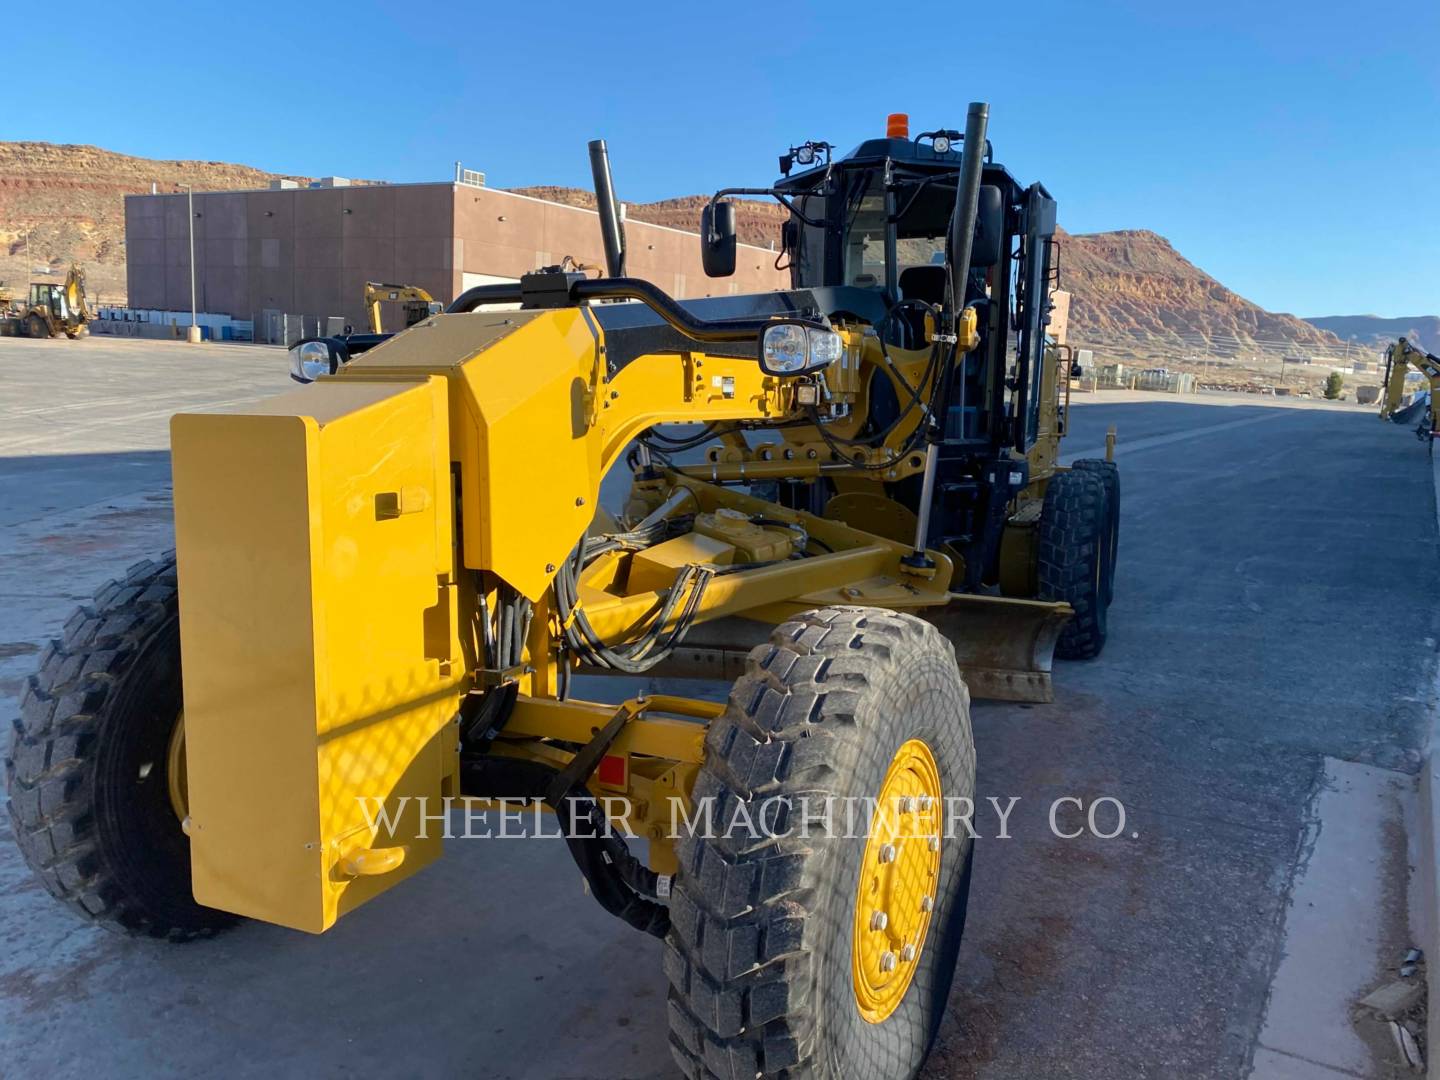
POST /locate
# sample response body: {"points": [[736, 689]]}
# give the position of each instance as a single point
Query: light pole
{"points": [[194, 333]]}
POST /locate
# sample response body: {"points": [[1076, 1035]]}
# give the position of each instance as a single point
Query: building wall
{"points": [[505, 235], [309, 251]]}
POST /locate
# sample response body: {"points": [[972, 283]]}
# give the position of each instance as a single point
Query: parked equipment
{"points": [[1400, 358], [415, 302], [385, 582], [52, 309]]}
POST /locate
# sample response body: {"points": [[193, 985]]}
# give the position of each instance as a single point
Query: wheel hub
{"points": [[899, 876]]}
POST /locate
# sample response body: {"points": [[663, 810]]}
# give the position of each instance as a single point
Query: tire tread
{"points": [[1071, 524], [741, 909], [50, 769]]}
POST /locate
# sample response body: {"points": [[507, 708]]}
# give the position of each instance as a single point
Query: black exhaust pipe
{"points": [[967, 195], [610, 231]]}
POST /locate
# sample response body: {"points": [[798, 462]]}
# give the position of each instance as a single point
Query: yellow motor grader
{"points": [[386, 582]]}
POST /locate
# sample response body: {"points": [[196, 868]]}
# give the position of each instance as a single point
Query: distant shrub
{"points": [[1333, 386]]}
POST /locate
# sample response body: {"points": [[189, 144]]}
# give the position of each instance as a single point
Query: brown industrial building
{"points": [[309, 251]]}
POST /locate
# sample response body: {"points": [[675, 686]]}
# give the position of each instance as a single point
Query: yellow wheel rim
{"points": [[899, 876], [175, 772]]}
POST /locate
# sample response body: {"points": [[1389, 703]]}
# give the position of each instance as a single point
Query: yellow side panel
{"points": [[533, 399], [537, 416], [321, 665]]}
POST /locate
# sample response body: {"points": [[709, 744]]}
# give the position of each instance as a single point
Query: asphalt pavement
{"points": [[1271, 616]]}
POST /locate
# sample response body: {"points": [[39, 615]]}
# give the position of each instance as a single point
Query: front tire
{"points": [[1109, 474], [768, 947], [36, 327], [1071, 555], [94, 769]]}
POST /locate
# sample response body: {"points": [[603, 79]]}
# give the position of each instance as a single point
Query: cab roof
{"points": [[911, 154]]}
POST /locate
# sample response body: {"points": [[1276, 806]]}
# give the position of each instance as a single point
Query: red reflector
{"points": [[612, 770], [897, 125]]}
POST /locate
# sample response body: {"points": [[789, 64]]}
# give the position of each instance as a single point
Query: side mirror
{"points": [[789, 235], [313, 357], [790, 347], [717, 239], [989, 227]]}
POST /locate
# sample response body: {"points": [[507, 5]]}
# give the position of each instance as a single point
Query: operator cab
{"points": [[878, 219], [852, 226], [877, 223], [51, 297]]}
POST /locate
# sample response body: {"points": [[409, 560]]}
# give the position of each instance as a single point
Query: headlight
{"points": [[825, 347], [941, 144], [311, 359], [793, 348]]}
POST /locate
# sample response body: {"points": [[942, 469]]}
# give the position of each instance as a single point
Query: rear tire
{"points": [[36, 327], [761, 945], [88, 771], [1071, 557], [1109, 474]]}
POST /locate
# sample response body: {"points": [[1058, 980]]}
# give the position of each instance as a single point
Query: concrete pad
{"points": [[1346, 915], [1130, 447]]}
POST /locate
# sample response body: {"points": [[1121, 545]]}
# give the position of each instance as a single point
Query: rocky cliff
{"points": [[1134, 284], [1372, 331], [59, 203]]}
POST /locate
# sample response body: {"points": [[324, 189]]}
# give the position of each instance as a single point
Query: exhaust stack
{"points": [[967, 194], [610, 232]]}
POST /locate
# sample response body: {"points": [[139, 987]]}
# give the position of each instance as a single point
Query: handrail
{"points": [[623, 288]]}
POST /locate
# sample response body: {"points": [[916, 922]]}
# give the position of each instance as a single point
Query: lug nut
{"points": [[927, 905], [934, 843], [907, 805], [887, 853], [908, 953], [879, 921], [887, 963], [926, 802]]}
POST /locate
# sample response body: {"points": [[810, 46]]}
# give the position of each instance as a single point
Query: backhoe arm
{"points": [[417, 303], [1400, 358]]}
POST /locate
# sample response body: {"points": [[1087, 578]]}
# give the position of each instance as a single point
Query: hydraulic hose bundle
{"points": [[655, 641], [482, 716], [622, 884], [931, 378]]}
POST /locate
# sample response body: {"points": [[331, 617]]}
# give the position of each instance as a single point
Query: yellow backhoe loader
{"points": [[387, 580], [54, 309], [1400, 359]]}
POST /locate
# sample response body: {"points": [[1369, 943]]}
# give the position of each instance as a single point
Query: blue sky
{"points": [[1292, 149]]}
